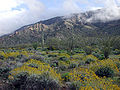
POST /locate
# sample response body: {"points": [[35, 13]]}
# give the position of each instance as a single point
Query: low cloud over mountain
{"points": [[17, 13]]}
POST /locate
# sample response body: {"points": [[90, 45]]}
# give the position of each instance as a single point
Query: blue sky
{"points": [[81, 3], [17, 13]]}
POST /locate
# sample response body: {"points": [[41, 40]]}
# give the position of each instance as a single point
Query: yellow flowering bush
{"points": [[62, 63], [15, 54], [31, 70], [9, 54], [103, 63], [89, 56], [78, 56], [64, 55], [75, 61], [25, 53], [88, 79]]}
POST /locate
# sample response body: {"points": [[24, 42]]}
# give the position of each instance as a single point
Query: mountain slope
{"points": [[61, 27]]}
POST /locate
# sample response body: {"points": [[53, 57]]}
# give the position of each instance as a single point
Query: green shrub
{"points": [[88, 50], [33, 65], [96, 54], [11, 58], [35, 45], [53, 65], [73, 65], [20, 56], [81, 63], [105, 71], [63, 67], [2, 57], [101, 57], [89, 60], [116, 52], [4, 72], [37, 57], [41, 82], [51, 48], [68, 61], [19, 80], [50, 55], [66, 77], [63, 58], [29, 49], [75, 85], [106, 50], [78, 51], [118, 65]]}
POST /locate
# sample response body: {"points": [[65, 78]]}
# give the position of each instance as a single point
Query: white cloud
{"points": [[110, 11], [11, 20], [94, 8], [6, 5], [70, 6]]}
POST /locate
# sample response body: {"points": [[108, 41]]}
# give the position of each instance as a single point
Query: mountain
{"points": [[62, 27]]}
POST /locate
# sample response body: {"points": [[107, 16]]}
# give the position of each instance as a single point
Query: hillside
{"points": [[62, 27]]}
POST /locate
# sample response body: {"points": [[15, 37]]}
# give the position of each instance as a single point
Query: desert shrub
{"points": [[56, 63], [2, 57], [88, 50], [78, 51], [105, 71], [63, 67], [90, 57], [50, 55], [72, 65], [81, 63], [29, 49], [11, 58], [117, 80], [86, 79], [106, 51], [101, 57], [33, 65], [35, 45], [41, 82], [44, 49], [89, 60], [66, 76], [19, 80], [78, 56], [96, 54], [42, 68], [53, 65], [118, 65], [103, 63], [4, 72], [116, 52], [51, 48], [36, 57], [20, 56], [76, 85], [63, 58], [67, 62], [64, 55]]}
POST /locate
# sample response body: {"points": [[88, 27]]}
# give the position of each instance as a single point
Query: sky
{"points": [[17, 13]]}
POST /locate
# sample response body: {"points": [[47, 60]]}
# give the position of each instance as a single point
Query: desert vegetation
{"points": [[89, 63]]}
